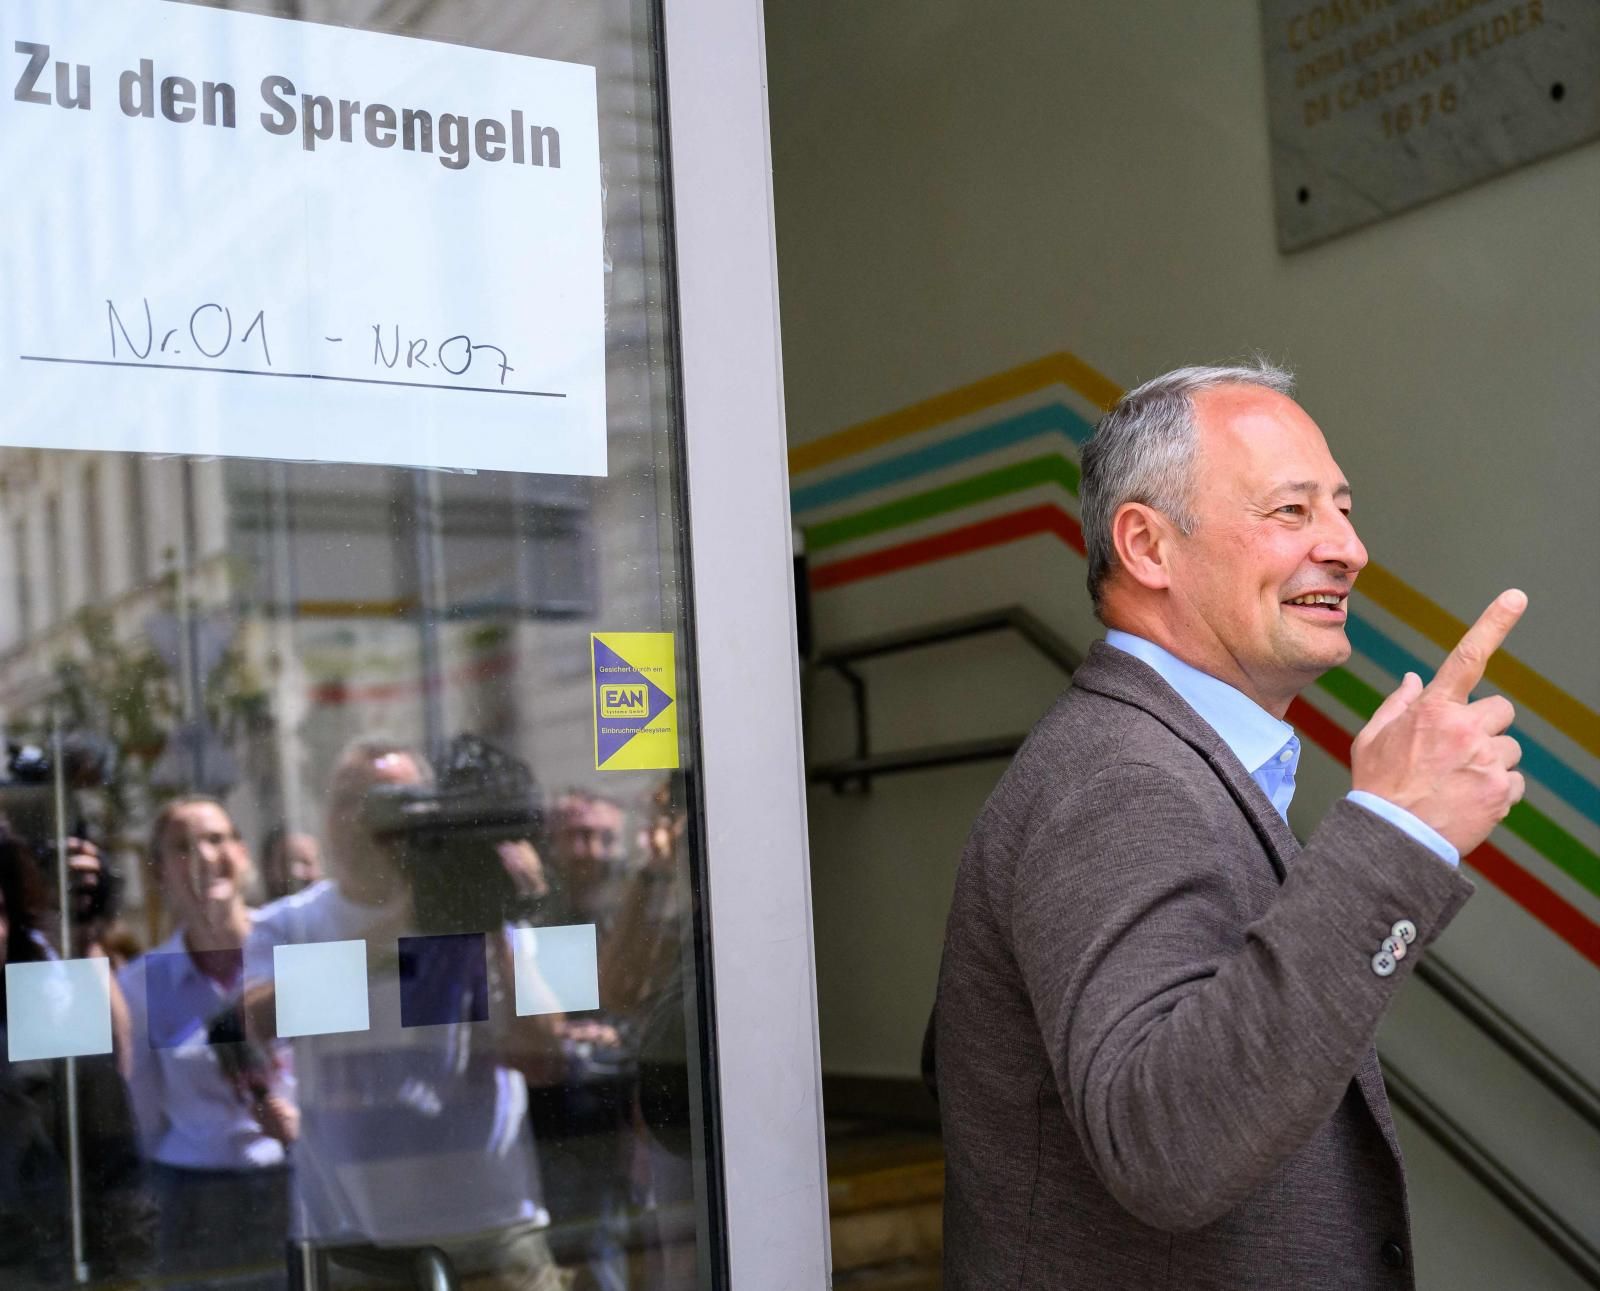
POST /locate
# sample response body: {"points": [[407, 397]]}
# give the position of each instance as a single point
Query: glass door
{"points": [[381, 740]]}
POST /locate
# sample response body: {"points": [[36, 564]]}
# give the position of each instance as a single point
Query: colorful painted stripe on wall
{"points": [[1052, 469]]}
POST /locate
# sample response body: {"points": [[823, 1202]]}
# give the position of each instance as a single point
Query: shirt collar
{"points": [[1254, 735], [188, 970]]}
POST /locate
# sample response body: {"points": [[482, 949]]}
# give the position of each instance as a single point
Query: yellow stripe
{"points": [[1053, 369], [1561, 710]]}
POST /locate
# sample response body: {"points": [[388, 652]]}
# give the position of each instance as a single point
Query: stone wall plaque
{"points": [[1375, 106]]}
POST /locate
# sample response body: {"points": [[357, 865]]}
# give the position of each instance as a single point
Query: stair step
{"points": [[895, 1186], [896, 1277], [871, 1237], [886, 1199]]}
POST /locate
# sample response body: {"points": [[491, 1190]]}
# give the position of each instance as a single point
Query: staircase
{"points": [[885, 1196]]}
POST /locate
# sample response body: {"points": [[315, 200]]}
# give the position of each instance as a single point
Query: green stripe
{"points": [[1351, 691], [1528, 823], [1564, 851], [1049, 469]]}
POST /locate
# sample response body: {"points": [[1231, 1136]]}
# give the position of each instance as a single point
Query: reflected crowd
{"points": [[440, 1035]]}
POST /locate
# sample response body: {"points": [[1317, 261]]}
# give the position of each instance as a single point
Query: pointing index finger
{"points": [[1463, 669]]}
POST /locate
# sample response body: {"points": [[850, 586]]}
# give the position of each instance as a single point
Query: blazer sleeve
{"points": [[1194, 1049]]}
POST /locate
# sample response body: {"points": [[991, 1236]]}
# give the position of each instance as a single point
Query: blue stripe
{"points": [[1056, 418], [1538, 763]]}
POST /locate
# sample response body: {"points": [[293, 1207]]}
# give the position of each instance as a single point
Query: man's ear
{"points": [[1143, 540]]}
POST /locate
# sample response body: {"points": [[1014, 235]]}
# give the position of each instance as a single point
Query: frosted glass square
{"points": [[321, 987], [59, 1008], [557, 969]]}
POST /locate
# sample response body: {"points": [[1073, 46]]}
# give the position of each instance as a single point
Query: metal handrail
{"points": [[1024, 622], [861, 768], [927, 757], [1525, 1049], [1571, 1246]]}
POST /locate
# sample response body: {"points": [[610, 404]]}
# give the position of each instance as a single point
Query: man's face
{"points": [[204, 865], [355, 857], [295, 863], [304, 859], [1273, 525], [589, 838]]}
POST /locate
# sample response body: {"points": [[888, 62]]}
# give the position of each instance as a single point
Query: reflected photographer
{"points": [[466, 846], [28, 801], [414, 1125], [35, 1201]]}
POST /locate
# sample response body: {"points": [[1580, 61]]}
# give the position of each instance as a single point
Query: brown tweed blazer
{"points": [[1156, 1015]]}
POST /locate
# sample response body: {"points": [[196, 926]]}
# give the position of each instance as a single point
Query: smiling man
{"points": [[1156, 1009]]}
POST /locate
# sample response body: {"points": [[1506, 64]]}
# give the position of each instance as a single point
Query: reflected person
{"points": [[215, 1119], [644, 963], [291, 861], [584, 1123], [414, 1126], [589, 857], [616, 1134], [35, 1205]]}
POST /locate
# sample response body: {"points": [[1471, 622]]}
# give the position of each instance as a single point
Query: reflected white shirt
{"points": [[407, 1134], [187, 1110]]}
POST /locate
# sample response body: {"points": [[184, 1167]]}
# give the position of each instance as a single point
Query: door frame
{"points": [[753, 767]]}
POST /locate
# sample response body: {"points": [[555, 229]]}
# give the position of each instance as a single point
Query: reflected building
{"points": [[293, 607], [272, 611]]}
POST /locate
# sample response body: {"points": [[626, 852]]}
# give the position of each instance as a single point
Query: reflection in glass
{"points": [[302, 750]]}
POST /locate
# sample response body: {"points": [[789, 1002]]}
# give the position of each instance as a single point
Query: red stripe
{"points": [[332, 694], [995, 532], [1553, 911]]}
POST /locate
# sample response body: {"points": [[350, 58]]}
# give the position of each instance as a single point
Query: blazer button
{"points": [[1383, 963], [1394, 946], [1393, 1254], [1405, 930]]}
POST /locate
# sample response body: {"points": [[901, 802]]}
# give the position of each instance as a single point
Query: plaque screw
{"points": [[1303, 196], [1558, 91]]}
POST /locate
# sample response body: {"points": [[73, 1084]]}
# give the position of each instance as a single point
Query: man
{"points": [[415, 1129], [1156, 1009], [291, 861], [583, 1124], [589, 858]]}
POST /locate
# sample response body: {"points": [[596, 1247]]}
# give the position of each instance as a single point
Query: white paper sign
{"points": [[228, 234]]}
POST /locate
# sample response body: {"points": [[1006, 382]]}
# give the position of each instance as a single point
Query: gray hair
{"points": [[1144, 450]]}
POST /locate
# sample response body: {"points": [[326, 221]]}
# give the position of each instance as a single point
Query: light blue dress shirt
{"points": [[1267, 748]]}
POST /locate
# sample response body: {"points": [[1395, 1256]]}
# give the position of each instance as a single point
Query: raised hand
{"points": [[1443, 758]]}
